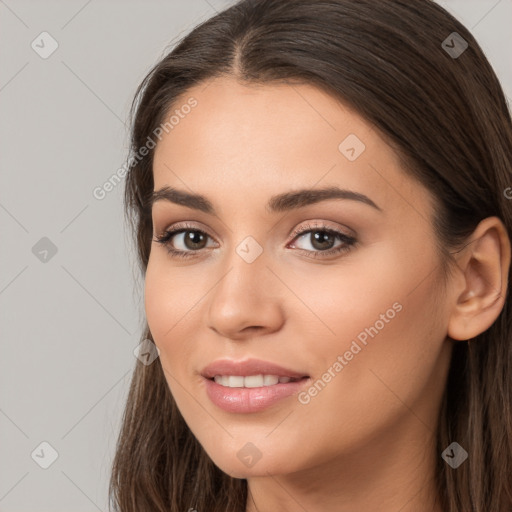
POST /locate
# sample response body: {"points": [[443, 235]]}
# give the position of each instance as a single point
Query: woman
{"points": [[318, 192]]}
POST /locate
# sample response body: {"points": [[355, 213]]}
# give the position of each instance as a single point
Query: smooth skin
{"points": [[366, 441]]}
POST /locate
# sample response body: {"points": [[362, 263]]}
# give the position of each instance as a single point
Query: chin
{"points": [[236, 467]]}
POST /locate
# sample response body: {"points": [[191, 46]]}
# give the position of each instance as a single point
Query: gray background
{"points": [[71, 320]]}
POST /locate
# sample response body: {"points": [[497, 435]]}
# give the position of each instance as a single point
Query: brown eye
{"points": [[317, 240], [193, 240], [183, 241], [322, 240]]}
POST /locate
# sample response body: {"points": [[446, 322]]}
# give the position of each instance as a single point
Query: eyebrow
{"points": [[278, 203]]}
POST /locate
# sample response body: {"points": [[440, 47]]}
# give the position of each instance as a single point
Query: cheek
{"points": [[169, 297], [169, 306], [345, 300], [174, 299], [157, 298], [386, 347]]}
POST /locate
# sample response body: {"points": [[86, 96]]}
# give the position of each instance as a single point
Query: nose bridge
{"points": [[246, 274], [244, 295]]}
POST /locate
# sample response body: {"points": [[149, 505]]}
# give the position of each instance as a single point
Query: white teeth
{"points": [[251, 381], [234, 381], [255, 381], [270, 380]]}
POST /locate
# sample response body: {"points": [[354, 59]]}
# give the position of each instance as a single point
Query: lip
{"points": [[248, 367], [247, 400]]}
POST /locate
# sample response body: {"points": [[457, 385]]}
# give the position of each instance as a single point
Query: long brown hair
{"points": [[446, 116]]}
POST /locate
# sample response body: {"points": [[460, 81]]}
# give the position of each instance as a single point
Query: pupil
{"points": [[194, 237], [320, 237]]}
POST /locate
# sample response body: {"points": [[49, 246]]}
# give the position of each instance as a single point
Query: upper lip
{"points": [[248, 367]]}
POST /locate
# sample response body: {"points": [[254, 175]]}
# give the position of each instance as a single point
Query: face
{"points": [[342, 290]]}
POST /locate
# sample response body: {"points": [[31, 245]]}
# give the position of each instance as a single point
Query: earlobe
{"points": [[483, 276]]}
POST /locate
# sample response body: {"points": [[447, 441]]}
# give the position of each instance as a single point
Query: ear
{"points": [[481, 286]]}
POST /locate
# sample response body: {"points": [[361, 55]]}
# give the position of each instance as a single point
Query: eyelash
{"points": [[348, 241]]}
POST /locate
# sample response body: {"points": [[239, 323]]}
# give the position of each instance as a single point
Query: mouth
{"points": [[243, 394], [250, 385]]}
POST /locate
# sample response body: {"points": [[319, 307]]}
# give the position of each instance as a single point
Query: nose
{"points": [[246, 300]]}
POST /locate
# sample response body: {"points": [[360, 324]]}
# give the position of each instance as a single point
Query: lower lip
{"points": [[245, 400]]}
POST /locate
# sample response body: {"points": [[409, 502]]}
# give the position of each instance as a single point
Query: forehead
{"points": [[252, 138], [240, 119]]}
